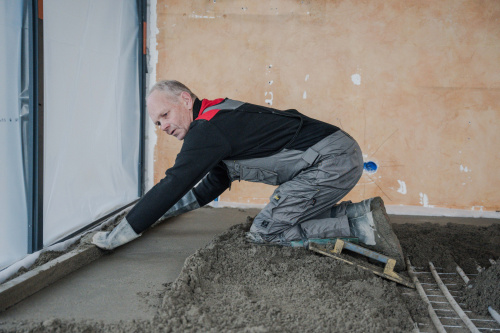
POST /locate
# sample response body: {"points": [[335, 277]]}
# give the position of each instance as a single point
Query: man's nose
{"points": [[164, 126]]}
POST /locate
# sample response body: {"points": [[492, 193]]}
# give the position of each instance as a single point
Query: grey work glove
{"points": [[121, 234], [186, 204]]}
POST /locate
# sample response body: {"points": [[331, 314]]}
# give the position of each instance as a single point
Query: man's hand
{"points": [[121, 234]]}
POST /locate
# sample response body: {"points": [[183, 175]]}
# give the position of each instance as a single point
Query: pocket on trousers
{"points": [[291, 209], [258, 175]]}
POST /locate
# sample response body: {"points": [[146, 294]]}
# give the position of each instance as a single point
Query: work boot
{"points": [[368, 220]]}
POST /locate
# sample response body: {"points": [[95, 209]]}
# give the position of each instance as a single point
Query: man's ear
{"points": [[186, 99]]}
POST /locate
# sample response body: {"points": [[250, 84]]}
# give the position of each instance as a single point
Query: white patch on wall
{"points": [[402, 187], [356, 79], [201, 16], [464, 169], [269, 101], [479, 208], [307, 77], [304, 95], [424, 200], [269, 93]]}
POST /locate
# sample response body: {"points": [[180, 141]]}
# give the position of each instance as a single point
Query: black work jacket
{"points": [[248, 131]]}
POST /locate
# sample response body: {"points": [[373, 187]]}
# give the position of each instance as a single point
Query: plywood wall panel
{"points": [[417, 83]]}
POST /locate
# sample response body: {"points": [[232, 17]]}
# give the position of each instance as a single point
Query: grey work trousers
{"points": [[302, 206]]}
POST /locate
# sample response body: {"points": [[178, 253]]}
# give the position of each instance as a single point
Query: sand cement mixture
{"points": [[484, 291], [233, 286]]}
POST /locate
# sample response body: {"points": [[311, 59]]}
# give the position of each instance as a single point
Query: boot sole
{"points": [[388, 242]]}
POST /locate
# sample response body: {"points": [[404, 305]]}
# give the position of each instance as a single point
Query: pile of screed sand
{"points": [[233, 286], [484, 291]]}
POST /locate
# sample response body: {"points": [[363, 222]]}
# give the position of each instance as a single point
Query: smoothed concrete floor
{"points": [[120, 286], [113, 287]]}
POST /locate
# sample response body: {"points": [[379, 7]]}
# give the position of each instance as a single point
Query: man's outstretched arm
{"points": [[199, 154], [213, 185]]}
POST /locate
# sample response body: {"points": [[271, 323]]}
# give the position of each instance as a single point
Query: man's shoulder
{"points": [[210, 108], [200, 130], [204, 137], [201, 125]]}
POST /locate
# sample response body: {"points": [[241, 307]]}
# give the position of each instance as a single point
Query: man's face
{"points": [[174, 114]]}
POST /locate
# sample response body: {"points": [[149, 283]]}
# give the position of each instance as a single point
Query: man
{"points": [[314, 163]]}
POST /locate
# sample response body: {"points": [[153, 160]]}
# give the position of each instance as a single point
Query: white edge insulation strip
{"points": [[396, 210], [439, 211], [494, 314], [470, 325], [30, 259], [435, 320]]}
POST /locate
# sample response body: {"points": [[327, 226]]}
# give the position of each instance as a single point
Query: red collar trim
{"points": [[206, 104]]}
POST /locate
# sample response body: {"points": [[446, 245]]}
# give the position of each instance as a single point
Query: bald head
{"points": [[171, 109]]}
